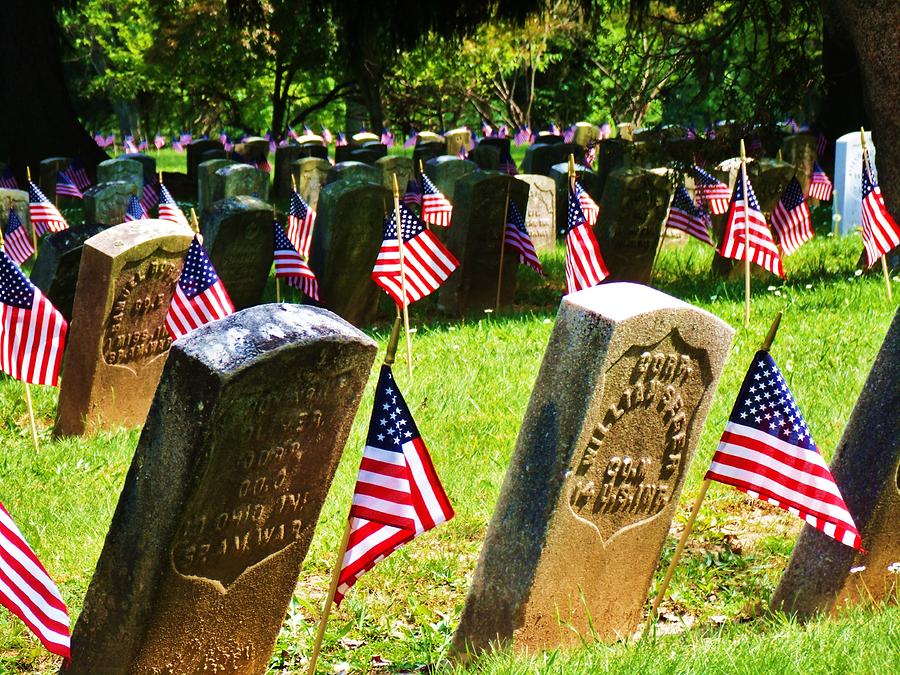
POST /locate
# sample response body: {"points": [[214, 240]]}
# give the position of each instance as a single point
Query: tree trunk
{"points": [[37, 119]]}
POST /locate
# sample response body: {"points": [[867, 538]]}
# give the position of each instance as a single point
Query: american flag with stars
{"points": [[134, 210], [684, 215], [150, 195], [8, 180], [398, 494], [200, 296], [588, 206], [65, 186], [16, 241], [585, 267], [820, 186], [78, 173], [436, 208], [763, 251], [290, 265], [879, 229], [791, 218], [516, 236], [768, 452], [45, 217], [426, 262], [169, 209], [32, 331], [413, 194], [711, 189], [301, 223]]}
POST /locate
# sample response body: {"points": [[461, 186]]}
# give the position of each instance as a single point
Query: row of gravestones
{"points": [[235, 460]]}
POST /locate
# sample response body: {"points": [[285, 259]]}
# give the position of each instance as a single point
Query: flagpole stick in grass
{"points": [[884, 267], [746, 236], [689, 525], [502, 250], [195, 225], [399, 232], [277, 280]]}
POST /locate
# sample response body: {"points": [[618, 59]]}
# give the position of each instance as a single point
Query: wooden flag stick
{"points": [[277, 279], [400, 246], [746, 236], [884, 267], [689, 525], [502, 248], [293, 183], [572, 172], [195, 225], [31, 415]]}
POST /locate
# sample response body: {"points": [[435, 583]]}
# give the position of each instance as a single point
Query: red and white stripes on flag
{"points": [[301, 223], [820, 186], [880, 231], [684, 215], [763, 251], [16, 240], [150, 196], [588, 206], [32, 331], [585, 267], [291, 266], [27, 590], [436, 208], [305, 280], [168, 208], [45, 217], [791, 218], [200, 297]]}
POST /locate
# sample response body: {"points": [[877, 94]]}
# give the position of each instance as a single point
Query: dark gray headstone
{"points": [[310, 174], [486, 157], [210, 185], [284, 156], [106, 202], [589, 180], [148, 164], [213, 153], [368, 154], [48, 171], [502, 144], [425, 151], [223, 495], [235, 180], [195, 151], [121, 169], [395, 165], [446, 170], [612, 154], [355, 171], [252, 150], [541, 156], [800, 152]]}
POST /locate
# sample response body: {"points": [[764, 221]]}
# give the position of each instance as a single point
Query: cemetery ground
{"points": [[471, 384]]}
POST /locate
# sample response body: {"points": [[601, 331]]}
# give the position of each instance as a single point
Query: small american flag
{"points": [[150, 195], [762, 251], [8, 180], [711, 189], [516, 236], [426, 262], [398, 494], [159, 142], [791, 218], [768, 452], [134, 210], [200, 296], [290, 265], [177, 146], [301, 223], [78, 173], [588, 205], [65, 186], [28, 591], [32, 332], [130, 147], [507, 164], [436, 208], [44, 216], [387, 138], [819, 184], [413, 194], [584, 264], [16, 241], [821, 144], [880, 231], [168, 207], [685, 216]]}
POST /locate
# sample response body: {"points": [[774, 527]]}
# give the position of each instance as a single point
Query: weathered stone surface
{"points": [[195, 152], [237, 234], [635, 202], [210, 185], [212, 153], [847, 196], [235, 180], [769, 177], [428, 150], [348, 235], [14, 199], [559, 174], [799, 151], [475, 237], [56, 268], [866, 468], [47, 173], [446, 170], [284, 157], [117, 342], [457, 139], [121, 170], [397, 165], [317, 150], [105, 203], [310, 174], [224, 492], [355, 171], [586, 133], [615, 415], [252, 149], [368, 153], [485, 156], [148, 165], [612, 154], [541, 156], [540, 219]]}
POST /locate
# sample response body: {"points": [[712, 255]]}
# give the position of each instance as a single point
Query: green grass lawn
{"points": [[471, 384]]}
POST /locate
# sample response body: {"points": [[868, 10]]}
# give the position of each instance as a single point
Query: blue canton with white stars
{"points": [[298, 206], [198, 273], [683, 202], [35, 195], [868, 181], [516, 218], [428, 188], [282, 243], [13, 223], [15, 288], [793, 195], [575, 215], [392, 424], [739, 190], [704, 177], [409, 223], [765, 403], [134, 208]]}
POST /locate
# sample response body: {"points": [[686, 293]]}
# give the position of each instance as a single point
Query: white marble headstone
{"points": [[847, 199]]}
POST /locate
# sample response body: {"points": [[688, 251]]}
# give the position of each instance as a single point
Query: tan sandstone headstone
{"points": [[540, 220], [614, 418], [118, 340]]}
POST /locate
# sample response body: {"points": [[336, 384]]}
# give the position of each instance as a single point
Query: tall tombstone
{"points": [[585, 134], [799, 150], [346, 240], [395, 165], [118, 341], [284, 157], [310, 174], [559, 174], [485, 156], [428, 147], [635, 203], [475, 237], [540, 218], [14, 199], [769, 177], [235, 180], [445, 171], [355, 171], [612, 154], [55, 271], [237, 234], [368, 153], [212, 153], [223, 495], [614, 417], [210, 185], [195, 152], [847, 196], [866, 468], [318, 150], [457, 139], [148, 166], [105, 203], [540, 157], [252, 149], [47, 173], [121, 170]]}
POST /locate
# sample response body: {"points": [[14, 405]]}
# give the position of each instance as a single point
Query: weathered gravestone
{"points": [[148, 166], [354, 171], [847, 196], [348, 234], [540, 218], [237, 234], [105, 203], [235, 180], [559, 174], [541, 156], [212, 153], [121, 170], [310, 174], [457, 139], [475, 237], [485, 156], [252, 149], [799, 150], [118, 341], [368, 153], [395, 165], [445, 171], [56, 268], [866, 468], [612, 154], [613, 421], [210, 185], [284, 157], [14, 199], [769, 177], [585, 134], [224, 492], [635, 203], [48, 171], [195, 151], [428, 146]]}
